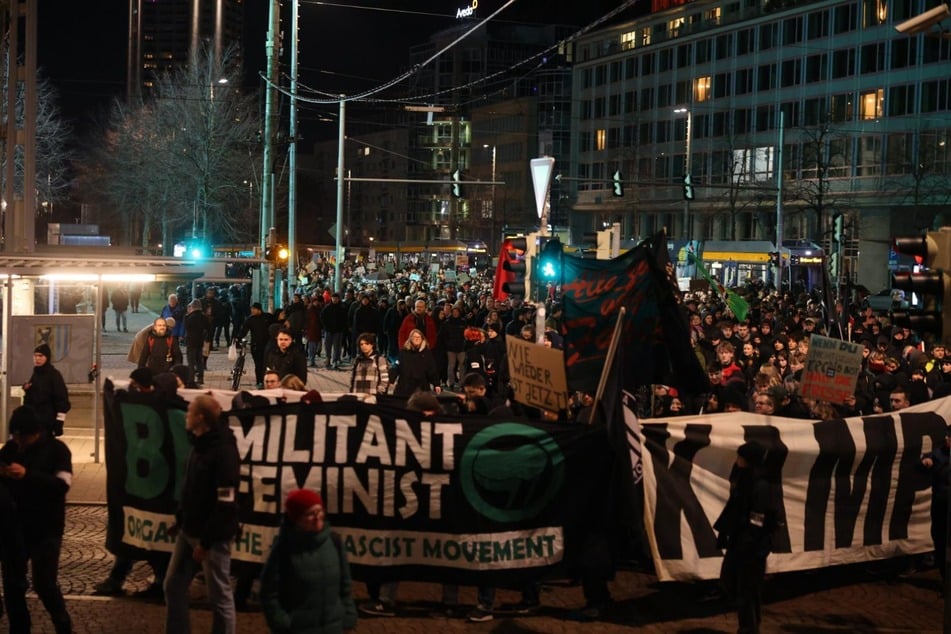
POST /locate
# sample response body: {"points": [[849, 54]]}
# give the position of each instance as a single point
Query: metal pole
{"points": [[779, 204], [687, 164], [292, 160], [270, 120], [338, 287]]}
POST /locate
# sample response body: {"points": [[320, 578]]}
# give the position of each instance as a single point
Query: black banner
{"points": [[654, 331], [495, 502]]}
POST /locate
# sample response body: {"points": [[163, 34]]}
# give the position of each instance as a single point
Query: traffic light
{"points": [[933, 284], [456, 184], [197, 250], [617, 185], [688, 187], [514, 260], [549, 261], [838, 222], [276, 253]]}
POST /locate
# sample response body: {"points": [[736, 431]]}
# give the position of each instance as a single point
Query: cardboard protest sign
{"points": [[537, 374], [832, 368]]}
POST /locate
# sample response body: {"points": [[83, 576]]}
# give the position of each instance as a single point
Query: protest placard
{"points": [[537, 374], [832, 368]]}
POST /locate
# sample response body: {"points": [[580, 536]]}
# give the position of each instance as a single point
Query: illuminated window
{"points": [[628, 40], [713, 15], [646, 35], [872, 104], [674, 26], [701, 88], [600, 139], [753, 164]]}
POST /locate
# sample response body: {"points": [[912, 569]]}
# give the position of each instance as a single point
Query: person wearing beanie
{"points": [[305, 583], [745, 529], [46, 392], [36, 472]]}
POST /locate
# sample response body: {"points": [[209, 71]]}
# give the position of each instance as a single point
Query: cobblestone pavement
{"points": [[860, 598]]}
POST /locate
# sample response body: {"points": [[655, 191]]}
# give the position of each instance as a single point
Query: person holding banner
{"points": [[938, 463], [305, 584], [745, 529]]}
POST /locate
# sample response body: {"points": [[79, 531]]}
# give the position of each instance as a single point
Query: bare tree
{"points": [[52, 133], [177, 165], [921, 161], [825, 155]]}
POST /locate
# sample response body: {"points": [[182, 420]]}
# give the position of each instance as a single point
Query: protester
{"points": [[46, 391], [206, 522], [745, 529], [287, 357], [161, 350], [370, 374], [198, 332], [257, 325], [938, 464], [120, 304], [334, 320], [305, 584], [36, 469], [175, 310], [142, 381], [417, 368]]}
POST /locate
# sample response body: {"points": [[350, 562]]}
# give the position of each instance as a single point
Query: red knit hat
{"points": [[299, 501]]}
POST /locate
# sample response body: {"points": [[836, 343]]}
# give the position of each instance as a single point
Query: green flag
{"points": [[738, 306]]}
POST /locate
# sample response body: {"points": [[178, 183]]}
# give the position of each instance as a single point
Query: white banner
{"points": [[853, 489]]}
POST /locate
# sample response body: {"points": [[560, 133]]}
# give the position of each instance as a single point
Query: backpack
{"points": [[168, 347]]}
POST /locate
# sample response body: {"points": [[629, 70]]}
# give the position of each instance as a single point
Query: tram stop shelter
{"points": [[57, 297]]}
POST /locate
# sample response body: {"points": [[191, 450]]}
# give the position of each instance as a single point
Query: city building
{"points": [[163, 35], [694, 99]]}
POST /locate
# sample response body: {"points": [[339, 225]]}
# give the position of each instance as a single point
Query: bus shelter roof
{"points": [[96, 264]]}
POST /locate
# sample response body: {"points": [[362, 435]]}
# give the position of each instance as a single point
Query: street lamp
{"points": [[687, 156], [492, 204]]}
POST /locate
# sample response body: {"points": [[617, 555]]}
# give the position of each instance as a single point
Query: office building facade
{"points": [[707, 89]]}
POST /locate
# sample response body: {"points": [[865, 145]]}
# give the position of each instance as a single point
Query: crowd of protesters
{"points": [[757, 364]]}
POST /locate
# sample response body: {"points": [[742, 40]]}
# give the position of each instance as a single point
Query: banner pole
{"points": [[608, 362]]}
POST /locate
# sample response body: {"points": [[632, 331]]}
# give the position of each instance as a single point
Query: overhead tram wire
{"points": [[332, 98], [397, 80]]}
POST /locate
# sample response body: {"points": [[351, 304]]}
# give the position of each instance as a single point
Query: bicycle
{"points": [[238, 370]]}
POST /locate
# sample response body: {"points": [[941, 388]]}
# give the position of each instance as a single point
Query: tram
{"points": [[734, 262]]}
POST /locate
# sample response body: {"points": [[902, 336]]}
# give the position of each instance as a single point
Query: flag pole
{"points": [[608, 363]]}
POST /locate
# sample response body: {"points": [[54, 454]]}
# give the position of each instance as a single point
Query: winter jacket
{"points": [[370, 375], [417, 371], [160, 353], [40, 495], [290, 361], [208, 510], [48, 396], [305, 584]]}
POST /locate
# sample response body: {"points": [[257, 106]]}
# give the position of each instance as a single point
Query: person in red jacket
{"points": [[420, 320]]}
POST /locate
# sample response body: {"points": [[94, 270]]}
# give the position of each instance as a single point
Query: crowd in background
{"points": [[757, 364]]}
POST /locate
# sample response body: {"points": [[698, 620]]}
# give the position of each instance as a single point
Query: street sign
{"points": [[333, 230], [542, 169]]}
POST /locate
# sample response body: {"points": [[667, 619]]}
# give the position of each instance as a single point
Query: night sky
{"points": [[82, 45]]}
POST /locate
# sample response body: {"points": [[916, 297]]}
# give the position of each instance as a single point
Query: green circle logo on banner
{"points": [[509, 472]]}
